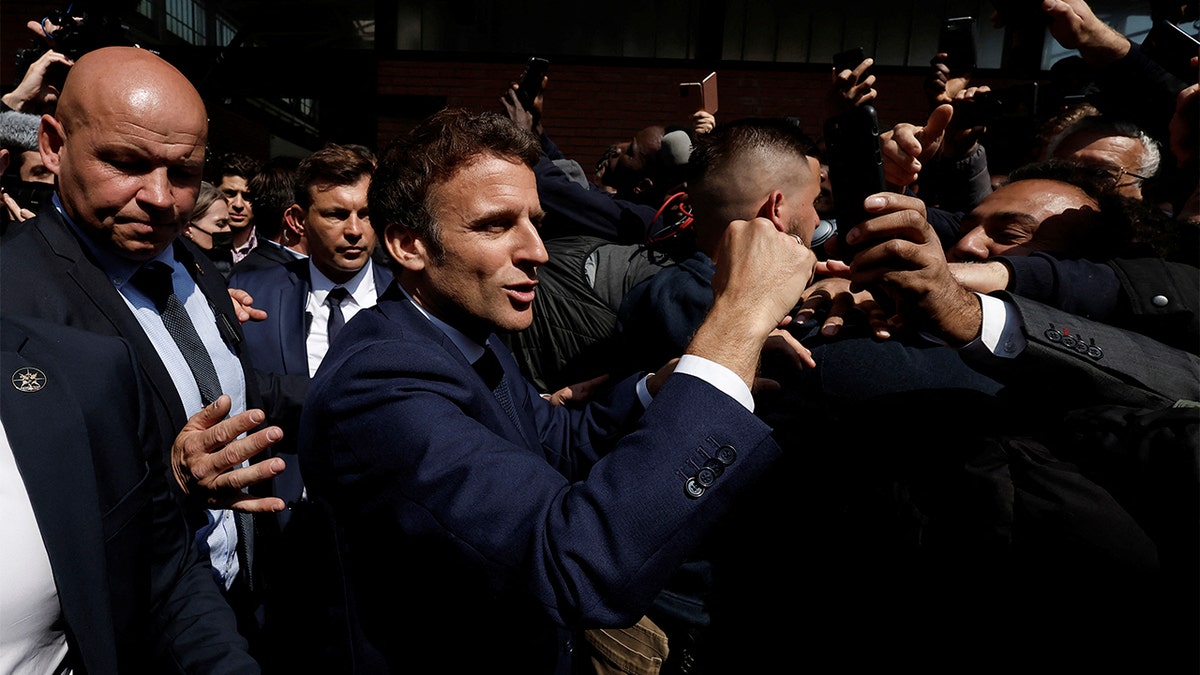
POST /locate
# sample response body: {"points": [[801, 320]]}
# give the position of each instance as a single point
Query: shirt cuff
{"points": [[1001, 334], [711, 372]]}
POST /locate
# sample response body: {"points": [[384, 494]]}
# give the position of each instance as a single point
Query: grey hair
{"points": [[1151, 149], [19, 130]]}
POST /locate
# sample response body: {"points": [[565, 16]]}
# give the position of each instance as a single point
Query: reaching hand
{"points": [[16, 212], [842, 307], [34, 93], [517, 112], [243, 304], [906, 146], [900, 257], [854, 87], [578, 394], [205, 458], [1075, 26]]}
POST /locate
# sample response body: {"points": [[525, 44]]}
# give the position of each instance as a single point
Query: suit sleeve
{"points": [[400, 449]]}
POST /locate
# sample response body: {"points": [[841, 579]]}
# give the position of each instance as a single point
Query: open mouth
{"points": [[522, 293]]}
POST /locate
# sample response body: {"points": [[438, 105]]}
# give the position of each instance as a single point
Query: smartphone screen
{"points": [[957, 42], [531, 80], [849, 59], [1172, 48], [855, 163]]}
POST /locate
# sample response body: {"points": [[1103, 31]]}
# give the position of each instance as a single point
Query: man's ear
{"points": [[293, 218], [405, 247], [51, 138], [643, 185], [772, 210]]}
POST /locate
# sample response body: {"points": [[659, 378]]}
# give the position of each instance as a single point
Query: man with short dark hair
{"points": [[519, 523], [274, 190], [231, 173]]}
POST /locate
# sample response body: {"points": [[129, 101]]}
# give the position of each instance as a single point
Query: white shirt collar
{"points": [[361, 286]]}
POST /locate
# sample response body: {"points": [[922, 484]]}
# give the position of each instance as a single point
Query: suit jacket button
{"points": [[693, 488], [726, 454], [1160, 301], [715, 465], [706, 477]]}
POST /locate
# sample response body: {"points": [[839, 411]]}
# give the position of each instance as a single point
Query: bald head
{"points": [[127, 146]]}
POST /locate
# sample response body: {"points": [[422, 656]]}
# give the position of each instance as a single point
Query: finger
{"points": [[241, 478], [938, 120], [210, 415], [877, 319], [246, 504], [243, 449]]}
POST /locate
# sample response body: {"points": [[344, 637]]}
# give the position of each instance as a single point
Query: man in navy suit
{"points": [[102, 576], [331, 212], [483, 525]]}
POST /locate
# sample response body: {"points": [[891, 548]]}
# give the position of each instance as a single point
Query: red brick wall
{"points": [[588, 107]]}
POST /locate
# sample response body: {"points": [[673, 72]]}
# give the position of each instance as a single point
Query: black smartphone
{"points": [[849, 59], [957, 42], [531, 80], [855, 164], [1172, 48]]}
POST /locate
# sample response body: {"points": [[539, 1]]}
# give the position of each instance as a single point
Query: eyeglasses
{"points": [[1116, 173]]}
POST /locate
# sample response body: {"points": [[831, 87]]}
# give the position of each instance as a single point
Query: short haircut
{"points": [[204, 200], [331, 165], [732, 139], [431, 154], [273, 188], [232, 164]]}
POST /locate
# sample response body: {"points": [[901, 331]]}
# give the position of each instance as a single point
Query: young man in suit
{"points": [[484, 525], [101, 575]]}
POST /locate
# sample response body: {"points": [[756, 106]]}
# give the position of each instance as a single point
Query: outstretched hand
{"points": [[906, 146], [207, 455]]}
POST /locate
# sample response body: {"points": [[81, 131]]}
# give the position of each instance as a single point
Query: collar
{"points": [[361, 286], [118, 270], [471, 350]]}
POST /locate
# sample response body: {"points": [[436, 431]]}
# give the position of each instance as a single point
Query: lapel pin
{"points": [[28, 380]]}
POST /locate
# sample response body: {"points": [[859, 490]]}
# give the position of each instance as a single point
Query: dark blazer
{"points": [[135, 596], [472, 541], [277, 344], [46, 273]]}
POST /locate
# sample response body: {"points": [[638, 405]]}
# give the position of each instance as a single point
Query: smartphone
{"points": [[849, 59], [957, 42], [1171, 47], [531, 80], [700, 95], [855, 164]]}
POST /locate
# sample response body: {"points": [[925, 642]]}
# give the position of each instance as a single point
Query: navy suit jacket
{"points": [[471, 542], [135, 596], [277, 343]]}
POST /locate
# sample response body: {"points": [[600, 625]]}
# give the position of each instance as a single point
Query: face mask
{"points": [[222, 241]]}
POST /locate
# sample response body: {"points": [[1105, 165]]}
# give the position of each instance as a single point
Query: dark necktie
{"points": [[154, 279], [336, 318], [489, 368]]}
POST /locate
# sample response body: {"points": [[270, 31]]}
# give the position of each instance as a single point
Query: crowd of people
{"points": [[459, 403]]}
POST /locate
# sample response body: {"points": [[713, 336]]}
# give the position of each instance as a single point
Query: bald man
{"points": [[126, 145]]}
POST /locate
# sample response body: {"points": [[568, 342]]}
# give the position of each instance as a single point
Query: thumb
{"points": [[939, 119]]}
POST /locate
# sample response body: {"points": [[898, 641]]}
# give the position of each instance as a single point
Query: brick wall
{"points": [[588, 107]]}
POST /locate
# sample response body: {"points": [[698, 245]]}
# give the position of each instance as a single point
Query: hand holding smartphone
{"points": [[700, 95], [957, 42], [531, 80], [855, 165]]}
